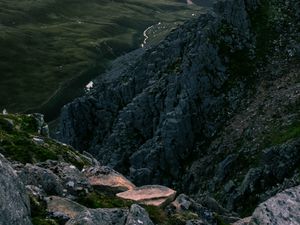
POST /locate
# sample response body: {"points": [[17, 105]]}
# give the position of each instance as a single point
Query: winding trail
{"points": [[146, 36]]}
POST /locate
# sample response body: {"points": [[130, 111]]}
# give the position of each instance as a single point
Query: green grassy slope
{"points": [[46, 44]]}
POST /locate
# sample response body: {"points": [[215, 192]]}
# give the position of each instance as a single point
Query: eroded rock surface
{"points": [[138, 216], [282, 209], [197, 110], [100, 217], [63, 207], [106, 179], [14, 202], [155, 195]]}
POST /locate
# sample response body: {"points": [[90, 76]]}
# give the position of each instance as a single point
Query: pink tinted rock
{"points": [[155, 195]]}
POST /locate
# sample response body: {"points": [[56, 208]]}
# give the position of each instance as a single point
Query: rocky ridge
{"points": [[55, 192], [212, 110]]}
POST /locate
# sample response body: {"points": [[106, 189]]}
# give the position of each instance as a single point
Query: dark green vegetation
{"points": [[39, 213], [100, 200], [157, 215], [283, 134], [160, 217], [50, 49], [17, 133], [16, 143]]}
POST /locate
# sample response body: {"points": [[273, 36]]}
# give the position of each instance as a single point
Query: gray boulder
{"points": [[43, 178], [282, 209], [14, 203], [138, 216], [72, 179], [100, 217]]}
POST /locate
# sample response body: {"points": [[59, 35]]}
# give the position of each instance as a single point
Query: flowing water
{"points": [[51, 49]]}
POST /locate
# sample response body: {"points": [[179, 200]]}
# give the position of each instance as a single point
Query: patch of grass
{"points": [[156, 214], [160, 217], [100, 200], [17, 143], [261, 22], [219, 220], [47, 43], [282, 134], [39, 213]]}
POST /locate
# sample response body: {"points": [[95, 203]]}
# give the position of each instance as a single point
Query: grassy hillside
{"points": [[50, 47]]}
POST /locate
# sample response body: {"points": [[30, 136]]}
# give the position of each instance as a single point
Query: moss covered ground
{"points": [[17, 142]]}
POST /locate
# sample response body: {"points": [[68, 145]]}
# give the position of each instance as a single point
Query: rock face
{"points": [[46, 179], [137, 216], [205, 108], [14, 203], [282, 209], [100, 217], [150, 195], [104, 178], [63, 207], [145, 119]]}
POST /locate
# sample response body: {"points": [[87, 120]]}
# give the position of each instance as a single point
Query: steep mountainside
{"points": [[50, 49], [212, 109], [44, 182]]}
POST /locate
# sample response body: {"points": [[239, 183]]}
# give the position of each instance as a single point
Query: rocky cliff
{"points": [[212, 110], [68, 188]]}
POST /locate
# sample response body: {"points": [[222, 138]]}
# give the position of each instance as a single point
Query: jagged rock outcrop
{"points": [[145, 119], [46, 179], [105, 178], [14, 203], [63, 208], [137, 215], [282, 209], [100, 217], [197, 110]]}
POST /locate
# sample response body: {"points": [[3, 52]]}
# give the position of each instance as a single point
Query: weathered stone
{"points": [[63, 207], [150, 195], [282, 209], [196, 110], [105, 178], [43, 178], [182, 203], [100, 217], [42, 127], [73, 180], [14, 202], [138, 216]]}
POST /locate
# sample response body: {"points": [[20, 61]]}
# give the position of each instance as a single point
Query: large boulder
{"points": [[135, 216], [106, 179], [100, 217], [14, 203], [63, 208], [43, 178], [138, 216], [72, 179], [282, 209], [155, 195]]}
